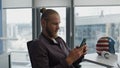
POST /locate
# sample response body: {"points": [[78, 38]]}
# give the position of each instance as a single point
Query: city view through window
{"points": [[95, 22], [90, 22], [19, 27], [19, 31]]}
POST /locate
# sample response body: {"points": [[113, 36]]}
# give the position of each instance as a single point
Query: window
{"points": [[95, 22], [19, 31], [19, 28]]}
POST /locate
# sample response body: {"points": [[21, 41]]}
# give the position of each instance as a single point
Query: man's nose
{"points": [[58, 26]]}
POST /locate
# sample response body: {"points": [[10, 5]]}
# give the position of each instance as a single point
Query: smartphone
{"points": [[83, 42]]}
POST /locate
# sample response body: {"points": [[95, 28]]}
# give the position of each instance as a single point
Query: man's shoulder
{"points": [[36, 44], [32, 42], [60, 38]]}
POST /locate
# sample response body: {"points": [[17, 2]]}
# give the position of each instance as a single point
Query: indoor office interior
{"points": [[90, 19]]}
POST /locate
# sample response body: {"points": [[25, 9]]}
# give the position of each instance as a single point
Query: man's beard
{"points": [[50, 33]]}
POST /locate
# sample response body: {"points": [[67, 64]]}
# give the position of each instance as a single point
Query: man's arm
{"points": [[39, 58], [76, 64]]}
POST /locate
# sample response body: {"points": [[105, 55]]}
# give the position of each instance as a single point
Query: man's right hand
{"points": [[75, 54]]}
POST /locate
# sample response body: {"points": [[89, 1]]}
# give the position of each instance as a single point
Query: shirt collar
{"points": [[50, 40]]}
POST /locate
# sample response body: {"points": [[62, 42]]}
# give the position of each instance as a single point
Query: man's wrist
{"points": [[69, 61]]}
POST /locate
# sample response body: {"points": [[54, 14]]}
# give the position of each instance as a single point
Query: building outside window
{"points": [[18, 31], [95, 22]]}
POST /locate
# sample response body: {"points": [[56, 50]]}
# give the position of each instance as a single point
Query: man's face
{"points": [[52, 25]]}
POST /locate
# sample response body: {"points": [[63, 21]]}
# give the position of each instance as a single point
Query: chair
{"points": [[29, 46]]}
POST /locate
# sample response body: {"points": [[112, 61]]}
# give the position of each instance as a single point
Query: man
{"points": [[50, 50]]}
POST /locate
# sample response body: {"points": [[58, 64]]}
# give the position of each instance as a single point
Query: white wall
{"points": [[96, 2], [42, 3], [16, 3], [39, 3], [34, 3]]}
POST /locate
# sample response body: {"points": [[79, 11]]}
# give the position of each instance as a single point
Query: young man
{"points": [[50, 50]]}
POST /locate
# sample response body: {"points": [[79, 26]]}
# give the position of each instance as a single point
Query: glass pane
{"points": [[19, 28], [95, 22], [62, 13], [19, 31]]}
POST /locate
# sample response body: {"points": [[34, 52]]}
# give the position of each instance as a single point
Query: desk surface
{"points": [[4, 58], [94, 58]]}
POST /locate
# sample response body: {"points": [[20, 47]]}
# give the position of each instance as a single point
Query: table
{"points": [[114, 60], [4, 60]]}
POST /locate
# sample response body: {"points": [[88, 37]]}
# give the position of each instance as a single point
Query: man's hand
{"points": [[75, 54]]}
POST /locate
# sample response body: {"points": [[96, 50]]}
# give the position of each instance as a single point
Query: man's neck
{"points": [[47, 35], [51, 38]]}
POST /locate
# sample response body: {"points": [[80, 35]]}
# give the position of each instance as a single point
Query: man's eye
{"points": [[55, 24]]}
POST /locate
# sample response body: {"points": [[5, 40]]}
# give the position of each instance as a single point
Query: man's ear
{"points": [[43, 22]]}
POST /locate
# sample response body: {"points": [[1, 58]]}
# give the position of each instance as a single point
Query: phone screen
{"points": [[83, 42]]}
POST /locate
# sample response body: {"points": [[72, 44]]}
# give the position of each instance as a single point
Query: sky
{"points": [[19, 15], [25, 15], [91, 11]]}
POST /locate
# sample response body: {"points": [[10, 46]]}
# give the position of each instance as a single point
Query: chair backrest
{"points": [[30, 44]]}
